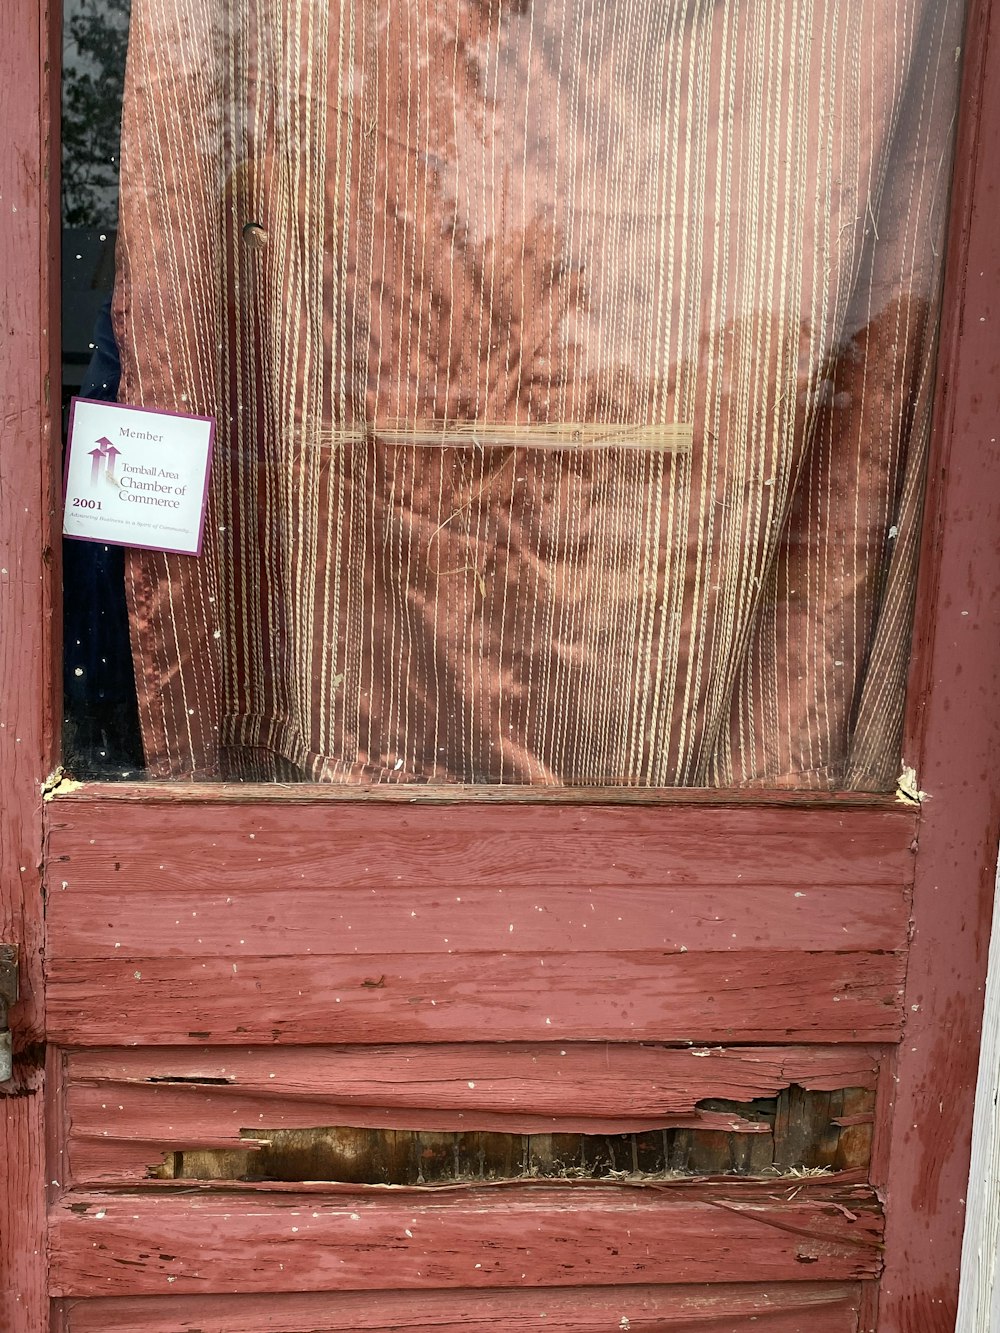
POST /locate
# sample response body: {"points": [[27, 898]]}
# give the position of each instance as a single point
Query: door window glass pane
{"points": [[572, 371]]}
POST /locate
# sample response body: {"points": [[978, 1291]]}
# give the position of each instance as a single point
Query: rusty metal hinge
{"points": [[8, 996]]}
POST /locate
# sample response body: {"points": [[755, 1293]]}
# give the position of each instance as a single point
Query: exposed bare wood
{"points": [[287, 794], [654, 996], [217, 1142], [780, 1308], [796, 1131], [105, 1244], [746, 855]]}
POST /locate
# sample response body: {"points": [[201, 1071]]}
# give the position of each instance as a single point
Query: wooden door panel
{"points": [[786, 1308], [382, 923], [130, 1111], [344, 969]]}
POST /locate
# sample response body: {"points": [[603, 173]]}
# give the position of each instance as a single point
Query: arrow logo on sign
{"points": [[106, 453]]}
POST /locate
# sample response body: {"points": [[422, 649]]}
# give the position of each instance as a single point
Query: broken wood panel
{"points": [[781, 1308], [138, 1244], [398, 1157], [202, 1118], [297, 917], [118, 1141], [794, 1132], [653, 996], [219, 847], [542, 1078], [118, 1156], [210, 1138], [128, 1108]]}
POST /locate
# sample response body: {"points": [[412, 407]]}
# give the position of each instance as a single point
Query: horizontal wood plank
{"points": [[780, 1308], [219, 846], [128, 1109], [299, 918], [71, 795], [589, 1079], [760, 997], [529, 1236]]}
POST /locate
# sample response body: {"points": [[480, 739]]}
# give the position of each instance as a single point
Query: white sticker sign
{"points": [[136, 477]]}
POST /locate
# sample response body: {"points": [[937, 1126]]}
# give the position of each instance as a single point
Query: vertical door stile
{"points": [[953, 738], [29, 86]]}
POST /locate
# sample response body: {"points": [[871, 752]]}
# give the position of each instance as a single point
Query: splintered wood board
{"points": [[127, 1109]]}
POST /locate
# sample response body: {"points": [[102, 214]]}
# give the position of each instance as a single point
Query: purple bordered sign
{"points": [[136, 477]]}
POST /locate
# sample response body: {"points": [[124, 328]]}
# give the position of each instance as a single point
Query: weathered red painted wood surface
{"points": [[953, 738], [127, 1109], [298, 918], [28, 645], [113, 1244], [212, 844], [538, 1079], [786, 1308], [376, 924], [649, 996], [386, 924]]}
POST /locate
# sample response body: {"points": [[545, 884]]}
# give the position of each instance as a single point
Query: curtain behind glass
{"points": [[572, 366]]}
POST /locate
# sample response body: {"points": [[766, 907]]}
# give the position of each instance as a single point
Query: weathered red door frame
{"points": [[29, 589], [952, 737]]}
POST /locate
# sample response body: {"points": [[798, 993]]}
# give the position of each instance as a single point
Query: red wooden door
{"points": [[224, 973]]}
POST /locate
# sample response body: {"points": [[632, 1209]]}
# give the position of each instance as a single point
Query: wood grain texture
{"points": [[297, 918], [780, 1308], [23, 1298], [28, 639], [761, 997], [953, 738], [175, 794], [979, 1291], [128, 1109], [221, 845], [375, 924], [542, 1079], [117, 1245]]}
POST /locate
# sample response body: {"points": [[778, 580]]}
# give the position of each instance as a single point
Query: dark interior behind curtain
{"points": [[572, 366]]}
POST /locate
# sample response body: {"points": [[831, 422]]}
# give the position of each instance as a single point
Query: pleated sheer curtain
{"points": [[572, 364]]}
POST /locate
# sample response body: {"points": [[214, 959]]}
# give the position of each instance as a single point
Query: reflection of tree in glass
{"points": [[93, 75]]}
